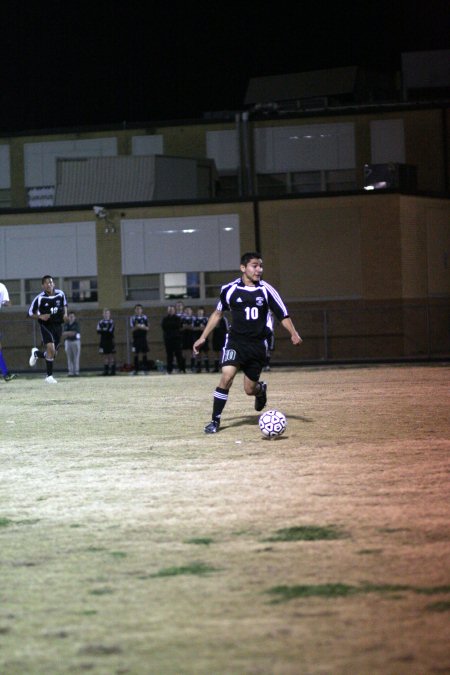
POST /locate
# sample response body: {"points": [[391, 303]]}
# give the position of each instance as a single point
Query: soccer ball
{"points": [[272, 423]]}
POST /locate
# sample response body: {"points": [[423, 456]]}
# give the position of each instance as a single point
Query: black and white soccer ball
{"points": [[272, 423]]}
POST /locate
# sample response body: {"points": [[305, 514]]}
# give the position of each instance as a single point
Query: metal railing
{"points": [[413, 331]]}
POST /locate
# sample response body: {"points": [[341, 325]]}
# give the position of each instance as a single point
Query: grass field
{"points": [[130, 542]]}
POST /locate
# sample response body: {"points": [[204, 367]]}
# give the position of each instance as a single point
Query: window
{"points": [[32, 288], [180, 244], [150, 144], [272, 184], [142, 287], [13, 286], [228, 185], [80, 290], [303, 182], [5, 169], [193, 280], [306, 181], [175, 285], [71, 248], [223, 147], [77, 290], [181, 285], [309, 147], [214, 281], [5, 199], [344, 179]]}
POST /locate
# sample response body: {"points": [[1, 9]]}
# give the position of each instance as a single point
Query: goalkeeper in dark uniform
{"points": [[249, 300], [50, 310], [139, 328]]}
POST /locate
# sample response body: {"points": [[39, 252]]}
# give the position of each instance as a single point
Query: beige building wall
{"points": [[17, 168], [109, 265], [425, 247], [424, 145], [437, 219], [370, 270], [414, 246], [341, 248], [366, 247]]}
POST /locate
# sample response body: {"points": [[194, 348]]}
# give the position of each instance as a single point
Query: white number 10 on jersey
{"points": [[251, 313]]}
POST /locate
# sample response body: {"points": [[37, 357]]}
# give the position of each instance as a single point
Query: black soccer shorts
{"points": [[51, 333], [249, 356]]}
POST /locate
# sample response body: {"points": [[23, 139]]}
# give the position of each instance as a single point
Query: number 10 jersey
{"points": [[249, 307]]}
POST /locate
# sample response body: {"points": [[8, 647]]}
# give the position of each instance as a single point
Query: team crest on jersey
{"points": [[259, 301]]}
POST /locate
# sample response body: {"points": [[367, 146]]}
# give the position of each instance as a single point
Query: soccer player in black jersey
{"points": [[171, 328], [50, 310], [249, 299], [200, 321], [107, 346], [139, 328], [188, 336]]}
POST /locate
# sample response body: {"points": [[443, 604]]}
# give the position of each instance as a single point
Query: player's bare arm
{"points": [[212, 323], [289, 326]]}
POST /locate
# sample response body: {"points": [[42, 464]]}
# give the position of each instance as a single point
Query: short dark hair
{"points": [[46, 276], [245, 259]]}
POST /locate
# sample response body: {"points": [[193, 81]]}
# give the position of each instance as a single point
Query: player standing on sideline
{"points": [[50, 310], [187, 336], [72, 344], [107, 347], [171, 328], [179, 309], [200, 321], [4, 301], [139, 329], [249, 299]]}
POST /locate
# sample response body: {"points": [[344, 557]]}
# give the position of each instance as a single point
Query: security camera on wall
{"points": [[100, 211]]}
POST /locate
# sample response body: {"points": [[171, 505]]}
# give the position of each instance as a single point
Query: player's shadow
{"points": [[245, 420], [308, 420]]}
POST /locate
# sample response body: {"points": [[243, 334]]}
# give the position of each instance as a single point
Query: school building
{"points": [[348, 205]]}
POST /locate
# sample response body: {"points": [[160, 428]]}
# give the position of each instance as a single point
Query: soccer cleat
{"points": [[9, 377], [261, 398], [33, 357], [212, 427], [51, 380]]}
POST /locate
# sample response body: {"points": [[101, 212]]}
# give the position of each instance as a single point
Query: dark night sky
{"points": [[75, 63]]}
